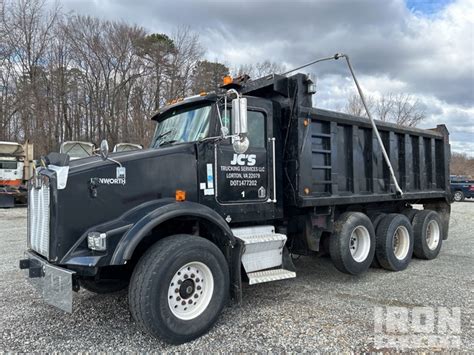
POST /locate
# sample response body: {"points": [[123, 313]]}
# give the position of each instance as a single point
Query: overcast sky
{"points": [[421, 47]]}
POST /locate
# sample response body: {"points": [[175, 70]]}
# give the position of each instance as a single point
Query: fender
{"points": [[173, 209]]}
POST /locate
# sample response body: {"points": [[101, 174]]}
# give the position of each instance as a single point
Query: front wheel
{"points": [[179, 288]]}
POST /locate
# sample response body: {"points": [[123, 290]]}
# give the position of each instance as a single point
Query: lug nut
{"points": [[178, 298], [197, 280], [196, 295], [190, 302], [185, 276], [183, 303], [192, 276], [199, 287], [176, 290]]}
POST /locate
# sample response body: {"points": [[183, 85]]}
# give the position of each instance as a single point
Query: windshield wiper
{"points": [[171, 141], [163, 135]]}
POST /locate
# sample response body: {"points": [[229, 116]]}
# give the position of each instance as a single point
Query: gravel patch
{"points": [[321, 310]]}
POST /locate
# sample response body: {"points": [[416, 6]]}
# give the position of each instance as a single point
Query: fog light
{"points": [[96, 241]]}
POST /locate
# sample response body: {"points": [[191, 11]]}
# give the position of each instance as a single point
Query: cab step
{"points": [[270, 275], [264, 252]]}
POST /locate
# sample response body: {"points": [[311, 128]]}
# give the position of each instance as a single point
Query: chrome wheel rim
{"points": [[401, 242], [359, 243], [432, 235], [190, 290], [457, 196]]}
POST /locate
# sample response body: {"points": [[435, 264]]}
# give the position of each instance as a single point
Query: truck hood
{"points": [[95, 194], [94, 162]]}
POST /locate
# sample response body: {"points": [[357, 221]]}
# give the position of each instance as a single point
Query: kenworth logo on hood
{"points": [[120, 178], [111, 181]]}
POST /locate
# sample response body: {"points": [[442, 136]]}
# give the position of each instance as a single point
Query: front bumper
{"points": [[55, 284]]}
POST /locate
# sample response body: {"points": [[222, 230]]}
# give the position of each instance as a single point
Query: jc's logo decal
{"points": [[244, 159]]}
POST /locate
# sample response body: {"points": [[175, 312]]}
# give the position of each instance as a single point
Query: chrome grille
{"points": [[38, 215]]}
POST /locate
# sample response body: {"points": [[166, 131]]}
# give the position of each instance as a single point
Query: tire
{"points": [[173, 261], [352, 245], [459, 196], [427, 229], [394, 237], [376, 217], [410, 213], [105, 286]]}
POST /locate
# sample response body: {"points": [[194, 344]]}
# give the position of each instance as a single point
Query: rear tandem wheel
{"points": [[352, 245]]}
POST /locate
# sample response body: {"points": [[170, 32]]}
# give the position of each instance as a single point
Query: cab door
{"points": [[247, 178]]}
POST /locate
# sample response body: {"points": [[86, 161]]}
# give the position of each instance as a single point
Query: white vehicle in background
{"points": [[77, 149], [126, 147], [15, 170]]}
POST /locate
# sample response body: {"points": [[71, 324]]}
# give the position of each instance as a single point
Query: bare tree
{"points": [[188, 53], [402, 109], [27, 29], [462, 164], [355, 107], [259, 69]]}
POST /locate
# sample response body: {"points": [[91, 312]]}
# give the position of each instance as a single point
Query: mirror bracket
{"points": [[104, 152]]}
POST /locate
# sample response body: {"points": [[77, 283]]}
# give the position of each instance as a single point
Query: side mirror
{"points": [[239, 122], [104, 149]]}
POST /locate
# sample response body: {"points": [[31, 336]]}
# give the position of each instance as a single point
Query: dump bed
{"points": [[339, 161]]}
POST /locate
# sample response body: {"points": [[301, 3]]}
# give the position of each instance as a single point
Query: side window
{"points": [[256, 129]]}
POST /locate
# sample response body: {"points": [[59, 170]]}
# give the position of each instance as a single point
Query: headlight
{"points": [[97, 241]]}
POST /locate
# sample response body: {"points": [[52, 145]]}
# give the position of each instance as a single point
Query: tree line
{"points": [[71, 77], [462, 165]]}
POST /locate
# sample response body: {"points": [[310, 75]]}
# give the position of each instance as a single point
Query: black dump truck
{"points": [[231, 187]]}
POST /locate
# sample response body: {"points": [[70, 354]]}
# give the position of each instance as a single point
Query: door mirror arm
{"points": [[104, 152]]}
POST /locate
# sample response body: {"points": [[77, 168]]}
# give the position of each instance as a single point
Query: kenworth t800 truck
{"points": [[231, 186]]}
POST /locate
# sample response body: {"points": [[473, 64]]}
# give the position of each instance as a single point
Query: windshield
{"points": [[183, 125], [8, 164]]}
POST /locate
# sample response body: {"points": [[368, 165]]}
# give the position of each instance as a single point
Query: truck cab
{"points": [[241, 187]]}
